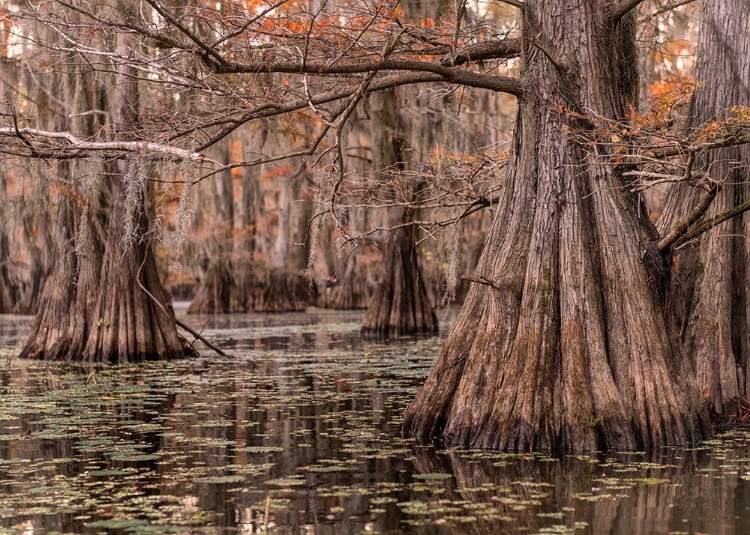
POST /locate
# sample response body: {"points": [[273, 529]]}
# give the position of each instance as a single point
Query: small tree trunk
{"points": [[38, 244], [216, 290], [279, 290], [709, 294], [9, 290], [566, 345]]}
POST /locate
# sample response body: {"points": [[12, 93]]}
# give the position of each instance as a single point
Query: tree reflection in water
{"points": [[305, 419]]}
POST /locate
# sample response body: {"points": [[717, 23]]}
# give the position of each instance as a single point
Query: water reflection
{"points": [[298, 432]]}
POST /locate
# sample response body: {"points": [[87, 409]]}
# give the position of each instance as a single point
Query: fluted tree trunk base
{"points": [[399, 305], [563, 344]]}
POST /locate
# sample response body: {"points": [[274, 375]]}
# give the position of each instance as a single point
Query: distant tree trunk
{"points": [[399, 304], [348, 288], [8, 286], [38, 244], [103, 300], [711, 286], [217, 292], [291, 249], [248, 284], [563, 341], [288, 288], [347, 263], [233, 281]]}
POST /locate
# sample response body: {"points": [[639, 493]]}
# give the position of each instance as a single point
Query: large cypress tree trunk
{"points": [[565, 344], [710, 291], [103, 300], [399, 304]]}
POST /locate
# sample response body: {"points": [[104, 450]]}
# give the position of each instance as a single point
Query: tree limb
{"points": [[378, 84], [68, 142], [669, 7], [478, 279], [208, 50], [200, 337], [731, 140], [711, 223], [504, 84], [681, 227], [623, 8], [503, 49]]}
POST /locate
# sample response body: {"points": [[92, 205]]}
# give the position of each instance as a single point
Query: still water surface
{"points": [[298, 432]]}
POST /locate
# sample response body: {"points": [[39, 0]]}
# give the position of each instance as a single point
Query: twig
{"points": [[473, 277], [460, 10], [265, 516], [208, 50], [200, 337], [547, 53], [670, 7]]}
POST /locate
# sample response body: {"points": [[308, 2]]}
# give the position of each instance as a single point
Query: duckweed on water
{"points": [[299, 432]]}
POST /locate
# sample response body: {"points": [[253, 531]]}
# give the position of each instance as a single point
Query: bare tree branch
{"points": [[682, 226], [515, 3], [624, 7], [670, 7], [711, 223], [503, 49], [209, 51], [503, 84], [66, 143]]}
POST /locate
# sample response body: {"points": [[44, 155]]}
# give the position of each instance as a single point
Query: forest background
{"points": [[268, 156]]}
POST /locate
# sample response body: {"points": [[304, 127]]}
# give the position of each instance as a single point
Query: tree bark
{"points": [[568, 348], [709, 294]]}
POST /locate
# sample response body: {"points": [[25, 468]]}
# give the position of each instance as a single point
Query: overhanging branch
{"points": [[505, 84], [729, 140], [624, 7], [51, 145]]}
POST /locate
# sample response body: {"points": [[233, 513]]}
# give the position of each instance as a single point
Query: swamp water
{"points": [[297, 432]]}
